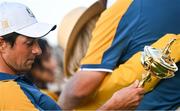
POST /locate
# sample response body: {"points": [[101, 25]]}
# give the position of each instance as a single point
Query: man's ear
{"points": [[3, 44]]}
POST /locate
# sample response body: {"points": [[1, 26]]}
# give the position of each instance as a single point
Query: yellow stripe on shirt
{"points": [[104, 32], [12, 98]]}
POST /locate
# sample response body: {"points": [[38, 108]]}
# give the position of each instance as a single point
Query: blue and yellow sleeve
{"points": [[130, 71], [13, 98], [110, 38]]}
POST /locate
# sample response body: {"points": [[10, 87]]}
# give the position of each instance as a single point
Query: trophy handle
{"points": [[146, 78], [166, 50]]}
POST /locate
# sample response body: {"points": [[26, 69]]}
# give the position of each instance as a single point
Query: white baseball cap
{"points": [[16, 17]]}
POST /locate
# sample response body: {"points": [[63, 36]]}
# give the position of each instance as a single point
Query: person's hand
{"points": [[129, 97], [126, 98]]}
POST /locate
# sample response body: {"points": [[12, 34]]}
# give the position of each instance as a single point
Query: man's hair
{"points": [[11, 38], [80, 47]]}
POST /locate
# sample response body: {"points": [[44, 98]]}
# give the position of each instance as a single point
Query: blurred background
{"points": [[52, 11]]}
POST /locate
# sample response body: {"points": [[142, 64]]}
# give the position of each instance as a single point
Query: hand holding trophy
{"points": [[157, 62]]}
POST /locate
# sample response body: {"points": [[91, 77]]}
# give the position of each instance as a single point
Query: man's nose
{"points": [[36, 49]]}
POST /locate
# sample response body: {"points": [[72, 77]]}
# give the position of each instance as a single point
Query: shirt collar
{"points": [[21, 78], [5, 76]]}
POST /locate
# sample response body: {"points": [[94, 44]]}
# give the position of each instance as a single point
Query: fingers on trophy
{"points": [[157, 62]]}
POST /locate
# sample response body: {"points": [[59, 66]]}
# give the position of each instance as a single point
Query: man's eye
{"points": [[29, 43]]}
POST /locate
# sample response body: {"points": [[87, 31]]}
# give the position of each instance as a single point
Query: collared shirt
{"points": [[19, 93], [123, 30]]}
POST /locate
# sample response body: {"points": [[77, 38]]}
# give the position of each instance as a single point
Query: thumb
{"points": [[135, 84]]}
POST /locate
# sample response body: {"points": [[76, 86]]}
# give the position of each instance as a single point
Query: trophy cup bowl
{"points": [[157, 62]]}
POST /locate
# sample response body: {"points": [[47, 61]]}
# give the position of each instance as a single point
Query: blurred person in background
{"points": [[43, 69], [58, 54]]}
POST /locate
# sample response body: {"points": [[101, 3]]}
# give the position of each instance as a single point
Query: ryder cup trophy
{"points": [[157, 62]]}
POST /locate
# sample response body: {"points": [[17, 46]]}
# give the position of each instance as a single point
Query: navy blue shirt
{"points": [[151, 20], [143, 23], [37, 98]]}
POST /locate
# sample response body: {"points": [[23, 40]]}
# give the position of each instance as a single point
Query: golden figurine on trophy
{"points": [[157, 62]]}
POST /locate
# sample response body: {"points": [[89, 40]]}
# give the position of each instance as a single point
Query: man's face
{"points": [[21, 56]]}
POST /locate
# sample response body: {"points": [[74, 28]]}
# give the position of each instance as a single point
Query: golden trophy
{"points": [[157, 62]]}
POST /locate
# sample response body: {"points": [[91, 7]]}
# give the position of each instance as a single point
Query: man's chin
{"points": [[24, 70]]}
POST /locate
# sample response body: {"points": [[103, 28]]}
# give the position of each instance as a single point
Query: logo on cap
{"points": [[30, 12], [5, 24]]}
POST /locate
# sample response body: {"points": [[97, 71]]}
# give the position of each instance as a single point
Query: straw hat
{"points": [[72, 24]]}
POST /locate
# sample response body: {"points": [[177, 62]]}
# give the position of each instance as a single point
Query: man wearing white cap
{"points": [[19, 34]]}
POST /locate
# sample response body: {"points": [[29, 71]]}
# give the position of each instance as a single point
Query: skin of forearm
{"points": [[107, 106], [80, 88], [70, 101]]}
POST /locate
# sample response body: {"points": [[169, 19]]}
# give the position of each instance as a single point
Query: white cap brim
{"points": [[37, 30]]}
